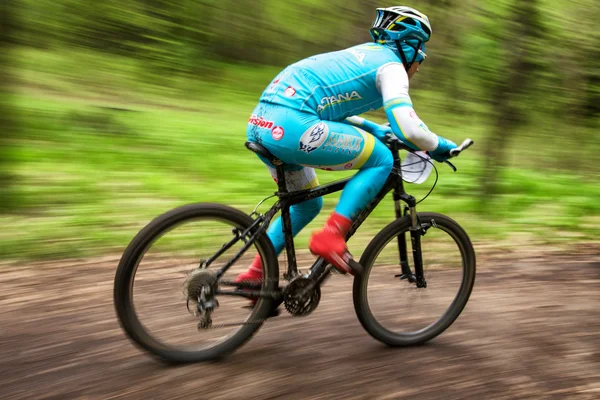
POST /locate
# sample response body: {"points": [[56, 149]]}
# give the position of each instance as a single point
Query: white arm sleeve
{"points": [[392, 83]]}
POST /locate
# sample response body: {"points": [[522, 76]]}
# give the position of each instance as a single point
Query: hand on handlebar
{"points": [[443, 154], [457, 150], [392, 140], [463, 146]]}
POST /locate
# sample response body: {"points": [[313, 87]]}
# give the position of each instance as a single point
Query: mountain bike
{"points": [[420, 260]]}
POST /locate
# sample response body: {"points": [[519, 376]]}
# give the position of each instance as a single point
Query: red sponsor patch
{"points": [[260, 122], [290, 91], [277, 133], [413, 115], [348, 166]]}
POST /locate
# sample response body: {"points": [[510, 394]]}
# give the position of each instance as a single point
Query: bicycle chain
{"points": [[258, 321], [229, 282]]}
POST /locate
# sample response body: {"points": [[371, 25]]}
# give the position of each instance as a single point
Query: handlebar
{"points": [[463, 146], [391, 139], [456, 151]]}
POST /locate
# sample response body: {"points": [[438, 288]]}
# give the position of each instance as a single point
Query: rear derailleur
{"points": [[200, 288]]}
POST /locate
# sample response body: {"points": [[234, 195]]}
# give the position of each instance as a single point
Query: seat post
{"points": [[286, 220], [281, 178]]}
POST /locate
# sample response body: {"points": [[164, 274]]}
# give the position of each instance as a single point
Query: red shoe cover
{"points": [[330, 242], [253, 273]]}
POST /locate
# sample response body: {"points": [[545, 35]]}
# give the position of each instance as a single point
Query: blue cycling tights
{"points": [[305, 142]]}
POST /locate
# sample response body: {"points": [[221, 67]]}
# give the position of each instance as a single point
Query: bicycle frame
{"points": [[319, 270]]}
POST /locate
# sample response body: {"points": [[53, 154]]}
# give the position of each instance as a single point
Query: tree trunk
{"points": [[7, 121], [511, 85]]}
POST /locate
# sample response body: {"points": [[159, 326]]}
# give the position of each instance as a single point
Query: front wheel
{"points": [[397, 312]]}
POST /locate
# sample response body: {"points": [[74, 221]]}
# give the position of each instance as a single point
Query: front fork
{"points": [[415, 236]]}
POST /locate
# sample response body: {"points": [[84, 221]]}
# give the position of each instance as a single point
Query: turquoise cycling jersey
{"points": [[342, 84], [333, 85]]}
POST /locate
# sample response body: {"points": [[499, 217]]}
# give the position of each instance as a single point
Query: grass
{"points": [[95, 166]]}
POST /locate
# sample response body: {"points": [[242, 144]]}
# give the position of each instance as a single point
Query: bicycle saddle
{"points": [[262, 151]]}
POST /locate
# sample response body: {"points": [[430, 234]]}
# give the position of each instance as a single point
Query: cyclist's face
{"points": [[414, 68]]}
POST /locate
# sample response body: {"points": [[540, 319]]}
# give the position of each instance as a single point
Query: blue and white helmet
{"points": [[405, 26]]}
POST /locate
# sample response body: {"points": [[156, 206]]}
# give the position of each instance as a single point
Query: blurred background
{"points": [[118, 110]]}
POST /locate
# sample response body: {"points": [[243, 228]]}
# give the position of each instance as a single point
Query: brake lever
{"points": [[451, 165]]}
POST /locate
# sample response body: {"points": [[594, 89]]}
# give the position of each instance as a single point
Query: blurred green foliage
{"points": [[128, 108]]}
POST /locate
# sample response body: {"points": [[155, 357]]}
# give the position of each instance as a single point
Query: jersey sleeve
{"points": [[392, 83]]}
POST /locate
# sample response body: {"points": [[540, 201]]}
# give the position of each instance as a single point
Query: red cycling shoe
{"points": [[330, 243], [253, 274]]}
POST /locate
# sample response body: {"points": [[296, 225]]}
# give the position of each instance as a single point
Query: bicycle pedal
{"points": [[337, 271]]}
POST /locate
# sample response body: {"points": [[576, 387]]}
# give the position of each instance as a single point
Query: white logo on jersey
{"points": [[360, 56], [314, 137], [328, 101]]}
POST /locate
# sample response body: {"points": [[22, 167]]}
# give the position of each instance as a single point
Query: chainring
{"points": [[298, 304]]}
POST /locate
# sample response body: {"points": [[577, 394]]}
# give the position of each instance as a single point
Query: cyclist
{"points": [[307, 118]]}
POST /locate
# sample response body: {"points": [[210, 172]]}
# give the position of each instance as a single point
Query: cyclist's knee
{"points": [[388, 161], [381, 158]]}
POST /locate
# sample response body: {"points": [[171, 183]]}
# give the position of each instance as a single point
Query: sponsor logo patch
{"points": [[289, 91], [260, 122], [313, 137], [343, 144], [413, 115], [329, 101], [277, 133]]}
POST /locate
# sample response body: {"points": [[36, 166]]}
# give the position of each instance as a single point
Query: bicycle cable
{"points": [[436, 173], [260, 203]]}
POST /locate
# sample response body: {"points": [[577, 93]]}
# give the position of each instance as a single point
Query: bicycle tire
{"points": [[387, 234], [125, 274]]}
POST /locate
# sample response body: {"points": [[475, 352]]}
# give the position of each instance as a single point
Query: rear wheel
{"points": [[166, 265], [395, 311]]}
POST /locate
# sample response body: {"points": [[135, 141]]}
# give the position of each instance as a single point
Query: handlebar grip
{"points": [[463, 146]]}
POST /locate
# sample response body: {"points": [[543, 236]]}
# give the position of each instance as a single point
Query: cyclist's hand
{"points": [[380, 131], [442, 153]]}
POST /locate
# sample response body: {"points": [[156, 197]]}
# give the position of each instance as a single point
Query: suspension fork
{"points": [[400, 194], [406, 272], [415, 237]]}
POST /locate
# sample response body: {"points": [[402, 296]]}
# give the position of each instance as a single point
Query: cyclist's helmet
{"points": [[408, 28]]}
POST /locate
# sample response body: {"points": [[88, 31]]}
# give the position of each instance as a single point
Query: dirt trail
{"points": [[530, 330]]}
